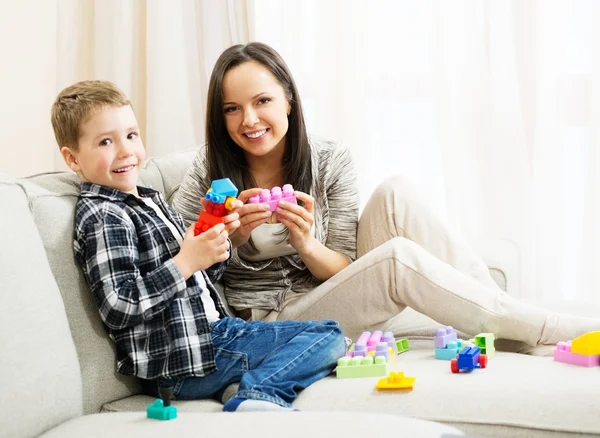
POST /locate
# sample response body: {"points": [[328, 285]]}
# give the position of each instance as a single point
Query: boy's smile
{"points": [[110, 150]]}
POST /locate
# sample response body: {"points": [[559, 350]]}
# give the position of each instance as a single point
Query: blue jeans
{"points": [[272, 361]]}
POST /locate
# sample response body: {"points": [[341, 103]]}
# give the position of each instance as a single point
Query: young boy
{"points": [[152, 279]]}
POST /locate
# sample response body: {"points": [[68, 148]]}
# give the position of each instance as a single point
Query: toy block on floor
{"points": [[443, 336], [485, 342], [396, 381], [161, 409], [563, 353], [358, 366], [588, 344]]}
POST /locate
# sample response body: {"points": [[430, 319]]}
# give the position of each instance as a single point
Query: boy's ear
{"points": [[70, 158]]}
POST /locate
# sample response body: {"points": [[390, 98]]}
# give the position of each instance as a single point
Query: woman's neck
{"points": [[267, 170]]}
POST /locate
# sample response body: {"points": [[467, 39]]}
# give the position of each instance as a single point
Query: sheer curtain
{"points": [[491, 106], [160, 53]]}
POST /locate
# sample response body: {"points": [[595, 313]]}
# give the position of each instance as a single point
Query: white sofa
{"points": [[58, 365]]}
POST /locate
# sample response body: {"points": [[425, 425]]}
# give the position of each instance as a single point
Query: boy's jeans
{"points": [[271, 360]]}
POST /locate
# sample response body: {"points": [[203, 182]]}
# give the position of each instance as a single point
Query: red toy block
{"points": [[206, 221]]}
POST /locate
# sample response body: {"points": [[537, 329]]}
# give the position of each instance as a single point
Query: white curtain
{"points": [[160, 53], [492, 106]]}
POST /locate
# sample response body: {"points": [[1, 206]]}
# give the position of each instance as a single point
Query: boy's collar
{"points": [[94, 190]]}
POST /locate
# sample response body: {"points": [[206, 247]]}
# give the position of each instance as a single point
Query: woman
{"points": [[300, 263]]}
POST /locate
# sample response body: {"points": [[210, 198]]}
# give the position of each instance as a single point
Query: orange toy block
{"points": [[396, 381]]}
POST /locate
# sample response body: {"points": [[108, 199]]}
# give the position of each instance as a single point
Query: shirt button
{"points": [[170, 239]]}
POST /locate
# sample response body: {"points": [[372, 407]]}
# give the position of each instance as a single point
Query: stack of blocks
{"points": [[273, 196], [447, 345], [583, 351], [219, 197], [372, 355]]}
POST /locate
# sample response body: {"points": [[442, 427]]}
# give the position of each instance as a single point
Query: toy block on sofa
{"points": [[451, 351], [485, 342], [161, 409], [443, 336], [402, 345], [563, 353], [358, 366], [588, 344], [219, 197], [396, 381], [273, 196]]}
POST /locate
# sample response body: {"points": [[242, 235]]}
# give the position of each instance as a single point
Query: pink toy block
{"points": [[563, 353], [273, 196], [443, 336]]}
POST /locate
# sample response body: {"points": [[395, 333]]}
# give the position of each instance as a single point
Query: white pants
{"points": [[409, 257]]}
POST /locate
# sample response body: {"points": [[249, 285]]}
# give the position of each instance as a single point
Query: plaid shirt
{"points": [[154, 315]]}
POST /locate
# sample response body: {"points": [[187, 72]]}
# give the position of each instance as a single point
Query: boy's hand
{"points": [[250, 216], [230, 220], [202, 251]]}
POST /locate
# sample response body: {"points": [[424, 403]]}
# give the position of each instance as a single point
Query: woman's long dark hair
{"points": [[225, 158]]}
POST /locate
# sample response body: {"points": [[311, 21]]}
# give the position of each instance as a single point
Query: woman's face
{"points": [[255, 109]]}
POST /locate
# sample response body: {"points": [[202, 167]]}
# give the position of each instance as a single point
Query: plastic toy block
{"points": [[443, 336], [563, 353], [161, 409], [485, 342], [388, 337], [273, 196], [588, 344], [402, 345], [451, 351], [358, 366], [468, 359], [220, 189], [396, 381], [206, 221]]}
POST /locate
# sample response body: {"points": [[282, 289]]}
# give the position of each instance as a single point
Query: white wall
{"points": [[27, 85]]}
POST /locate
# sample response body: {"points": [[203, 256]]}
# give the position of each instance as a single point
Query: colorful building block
{"points": [[358, 366], [451, 351], [443, 336], [219, 198], [564, 353], [485, 342], [161, 409], [396, 381], [273, 196], [588, 344], [402, 345], [468, 359]]}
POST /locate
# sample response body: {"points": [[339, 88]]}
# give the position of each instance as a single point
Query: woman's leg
{"points": [[401, 273], [396, 209]]}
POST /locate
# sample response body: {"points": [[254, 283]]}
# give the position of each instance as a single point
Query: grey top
{"points": [[265, 284]]}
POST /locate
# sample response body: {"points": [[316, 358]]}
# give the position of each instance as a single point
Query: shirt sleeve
{"points": [[193, 186], [107, 250], [343, 199]]}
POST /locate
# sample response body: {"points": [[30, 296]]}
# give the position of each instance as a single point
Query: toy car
{"points": [[468, 359]]}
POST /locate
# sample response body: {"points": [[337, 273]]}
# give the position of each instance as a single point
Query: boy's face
{"points": [[111, 151]]}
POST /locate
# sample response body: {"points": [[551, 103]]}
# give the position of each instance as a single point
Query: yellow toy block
{"points": [[396, 381], [588, 344]]}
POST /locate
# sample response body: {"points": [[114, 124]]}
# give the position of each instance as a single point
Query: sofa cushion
{"points": [[516, 395], [251, 425], [41, 381]]}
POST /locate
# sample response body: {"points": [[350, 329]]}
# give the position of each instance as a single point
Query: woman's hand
{"points": [[250, 216], [299, 221]]}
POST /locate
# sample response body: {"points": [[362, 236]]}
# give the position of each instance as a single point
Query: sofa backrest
{"points": [[41, 380], [52, 199]]}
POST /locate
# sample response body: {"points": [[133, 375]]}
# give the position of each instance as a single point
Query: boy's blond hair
{"points": [[77, 103]]}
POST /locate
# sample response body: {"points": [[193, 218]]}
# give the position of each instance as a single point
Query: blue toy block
{"points": [[224, 187], [158, 411], [468, 359], [450, 352]]}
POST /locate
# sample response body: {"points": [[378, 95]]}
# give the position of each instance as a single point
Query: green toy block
{"points": [[485, 342], [402, 345], [158, 411], [352, 367]]}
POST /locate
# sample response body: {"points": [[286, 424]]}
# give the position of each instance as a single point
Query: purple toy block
{"points": [[443, 336], [275, 195], [563, 353], [383, 349], [391, 341]]}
